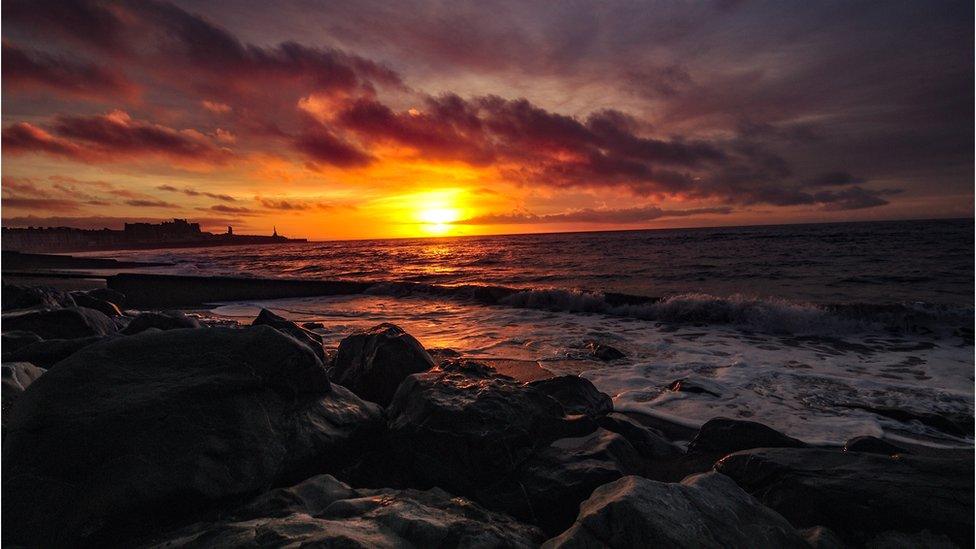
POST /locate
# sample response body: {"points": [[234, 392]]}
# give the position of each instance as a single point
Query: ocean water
{"points": [[816, 330]]}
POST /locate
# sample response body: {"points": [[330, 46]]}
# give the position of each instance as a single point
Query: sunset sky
{"points": [[413, 118]]}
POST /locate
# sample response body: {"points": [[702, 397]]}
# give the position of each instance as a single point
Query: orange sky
{"points": [[236, 115]]}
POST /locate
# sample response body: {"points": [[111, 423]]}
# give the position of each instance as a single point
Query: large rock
{"points": [[66, 323], [166, 320], [108, 294], [309, 338], [859, 495], [548, 487], [323, 512], [17, 377], [22, 297], [48, 352], [649, 443], [15, 339], [141, 432], [467, 427], [723, 436], [374, 362], [83, 299], [706, 510], [577, 395]]}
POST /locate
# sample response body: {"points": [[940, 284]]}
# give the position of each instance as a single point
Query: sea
{"points": [[823, 331]]}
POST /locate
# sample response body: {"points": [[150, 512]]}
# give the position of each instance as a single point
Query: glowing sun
{"points": [[438, 220]]}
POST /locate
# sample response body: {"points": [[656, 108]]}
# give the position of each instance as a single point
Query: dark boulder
{"points": [[15, 296], [313, 325], [819, 537], [859, 495], [467, 428], [723, 436], [306, 337], [706, 510], [873, 445], [67, 323], [144, 432], [108, 294], [323, 512], [696, 387], [548, 488], [15, 339], [604, 352], [17, 376], [84, 300], [576, 394], [166, 320], [48, 352], [649, 443], [374, 362]]}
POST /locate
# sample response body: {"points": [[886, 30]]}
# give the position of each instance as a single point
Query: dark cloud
{"points": [[111, 137], [588, 215], [191, 192], [854, 198], [30, 70], [235, 210], [49, 204], [151, 204], [321, 145], [833, 179], [286, 205]]}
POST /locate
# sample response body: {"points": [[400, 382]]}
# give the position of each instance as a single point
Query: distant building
{"points": [[178, 233]]}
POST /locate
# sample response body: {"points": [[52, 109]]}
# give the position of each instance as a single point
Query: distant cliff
{"points": [[170, 234]]}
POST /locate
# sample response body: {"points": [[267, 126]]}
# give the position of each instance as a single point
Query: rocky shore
{"points": [[126, 428]]}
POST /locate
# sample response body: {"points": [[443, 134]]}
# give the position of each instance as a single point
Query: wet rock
{"points": [[66, 323], [23, 297], [372, 363], [441, 354], [311, 339], [649, 443], [48, 352], [706, 510], [819, 537], [313, 325], [324, 512], [959, 425], [697, 387], [108, 294], [466, 428], [548, 488], [901, 540], [17, 376], [146, 431], [166, 320], [859, 495], [84, 300], [723, 436], [604, 352], [15, 339], [576, 394], [873, 445]]}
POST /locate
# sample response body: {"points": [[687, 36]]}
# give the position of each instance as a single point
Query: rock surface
{"points": [[22, 297], [706, 510], [372, 363], [873, 445], [324, 512], [308, 338], [724, 436], [108, 294], [144, 431], [66, 323], [604, 352], [83, 299], [576, 394], [17, 377], [859, 494], [166, 320], [15, 339], [650, 444], [48, 352], [467, 427]]}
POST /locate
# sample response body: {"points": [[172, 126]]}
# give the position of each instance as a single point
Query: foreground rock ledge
{"points": [[146, 431], [324, 512], [706, 510]]}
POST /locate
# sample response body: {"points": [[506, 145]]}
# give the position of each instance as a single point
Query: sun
{"points": [[438, 220]]}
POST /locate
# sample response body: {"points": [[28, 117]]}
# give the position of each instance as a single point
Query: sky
{"points": [[367, 119]]}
